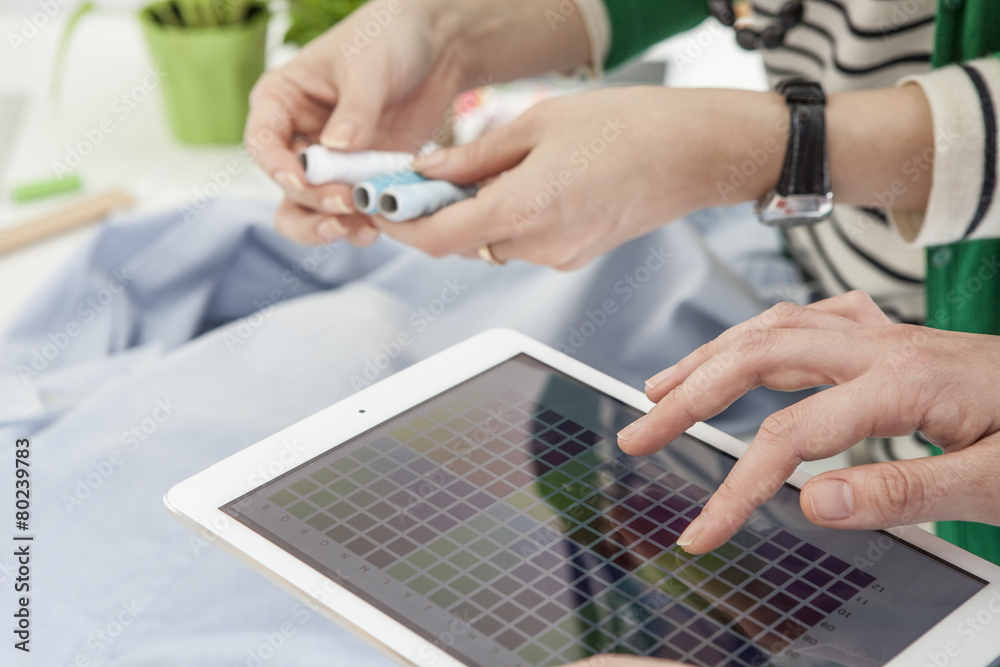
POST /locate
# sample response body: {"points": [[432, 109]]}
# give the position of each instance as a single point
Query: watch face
{"points": [[792, 210]]}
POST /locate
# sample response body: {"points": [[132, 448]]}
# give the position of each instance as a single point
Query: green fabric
{"points": [[638, 24], [963, 292], [980, 539], [963, 289], [966, 29]]}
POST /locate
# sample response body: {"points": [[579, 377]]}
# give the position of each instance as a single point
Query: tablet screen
{"points": [[500, 521]]}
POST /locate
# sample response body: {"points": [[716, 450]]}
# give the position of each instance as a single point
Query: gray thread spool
{"points": [[414, 200], [366, 194]]}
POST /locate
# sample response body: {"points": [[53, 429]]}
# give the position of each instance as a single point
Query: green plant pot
{"points": [[209, 72]]}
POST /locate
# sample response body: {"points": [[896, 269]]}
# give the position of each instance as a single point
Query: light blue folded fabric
{"points": [[166, 345]]}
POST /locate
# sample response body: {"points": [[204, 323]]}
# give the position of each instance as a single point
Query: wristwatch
{"points": [[803, 194]]}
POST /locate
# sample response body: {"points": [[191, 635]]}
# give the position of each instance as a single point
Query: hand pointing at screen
{"points": [[888, 380]]}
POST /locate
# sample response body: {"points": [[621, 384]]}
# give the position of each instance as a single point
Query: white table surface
{"points": [[107, 59]]}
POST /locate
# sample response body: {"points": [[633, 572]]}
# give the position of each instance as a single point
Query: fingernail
{"points": [[832, 499], [340, 137], [629, 431], [428, 160], [335, 204], [692, 532], [330, 230], [368, 235], [289, 180], [660, 377]]}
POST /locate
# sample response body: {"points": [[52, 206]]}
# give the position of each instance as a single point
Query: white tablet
{"points": [[475, 509]]}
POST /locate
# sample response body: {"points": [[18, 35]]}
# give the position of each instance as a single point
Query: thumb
{"points": [[960, 485], [487, 156], [355, 117]]}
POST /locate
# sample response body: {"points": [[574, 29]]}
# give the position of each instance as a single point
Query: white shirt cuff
{"points": [[964, 201], [598, 25]]}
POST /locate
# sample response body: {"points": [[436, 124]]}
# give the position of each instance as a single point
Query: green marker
{"points": [[42, 189]]}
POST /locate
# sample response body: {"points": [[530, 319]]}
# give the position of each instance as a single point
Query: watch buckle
{"points": [[791, 210]]}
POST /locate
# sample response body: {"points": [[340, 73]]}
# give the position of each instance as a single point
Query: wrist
{"points": [[881, 147], [749, 139], [502, 40], [447, 28]]}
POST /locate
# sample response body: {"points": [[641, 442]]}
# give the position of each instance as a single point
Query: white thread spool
{"points": [[323, 165]]}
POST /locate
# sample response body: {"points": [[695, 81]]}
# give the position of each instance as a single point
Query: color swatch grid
{"points": [[538, 534]]}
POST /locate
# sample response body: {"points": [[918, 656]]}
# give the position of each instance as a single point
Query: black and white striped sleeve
{"points": [[964, 200]]}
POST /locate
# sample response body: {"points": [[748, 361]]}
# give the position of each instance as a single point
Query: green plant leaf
{"points": [[165, 12], [311, 18], [203, 13], [59, 71]]}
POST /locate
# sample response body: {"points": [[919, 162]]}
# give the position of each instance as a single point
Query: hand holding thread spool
{"points": [[383, 183]]}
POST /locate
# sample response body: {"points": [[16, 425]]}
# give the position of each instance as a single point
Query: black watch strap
{"points": [[806, 169]]}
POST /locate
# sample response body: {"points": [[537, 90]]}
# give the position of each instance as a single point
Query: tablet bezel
{"points": [[195, 501]]}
